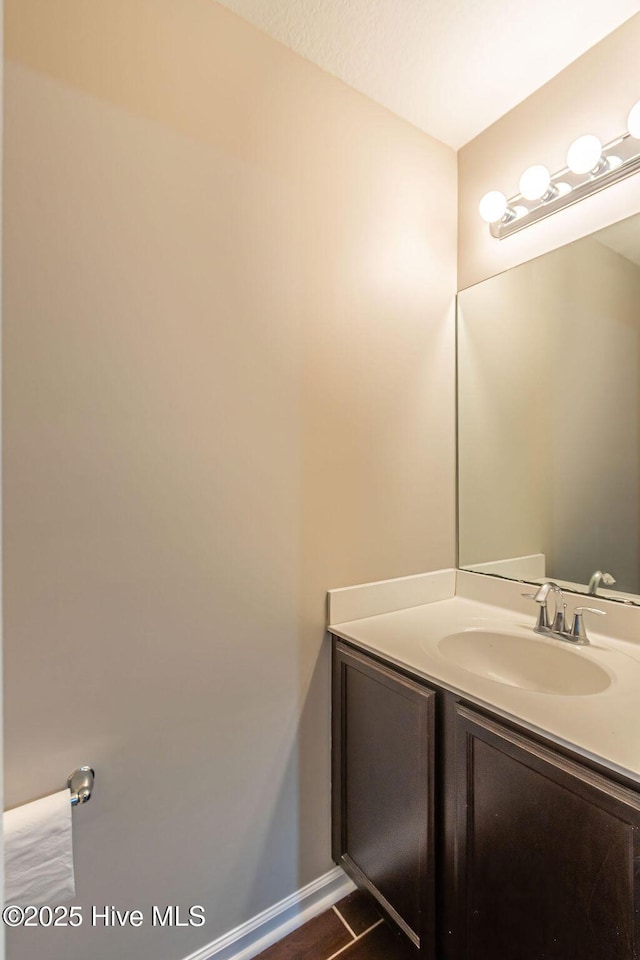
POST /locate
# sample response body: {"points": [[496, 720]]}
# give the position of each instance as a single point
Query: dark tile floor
{"points": [[351, 930]]}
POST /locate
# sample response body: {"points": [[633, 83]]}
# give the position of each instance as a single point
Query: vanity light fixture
{"points": [[585, 155], [535, 184], [633, 121], [590, 167]]}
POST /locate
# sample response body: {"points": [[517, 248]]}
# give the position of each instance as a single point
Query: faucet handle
{"points": [[578, 631], [542, 623]]}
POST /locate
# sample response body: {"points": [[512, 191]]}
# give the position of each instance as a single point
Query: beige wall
{"points": [[593, 95], [228, 366]]}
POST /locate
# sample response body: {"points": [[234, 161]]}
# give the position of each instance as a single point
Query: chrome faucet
{"points": [[558, 628], [598, 578], [541, 597]]}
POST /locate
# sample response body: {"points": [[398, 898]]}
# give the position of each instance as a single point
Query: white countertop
{"points": [[604, 726]]}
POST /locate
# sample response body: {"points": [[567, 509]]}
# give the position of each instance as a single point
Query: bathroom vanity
{"points": [[492, 808], [486, 778]]}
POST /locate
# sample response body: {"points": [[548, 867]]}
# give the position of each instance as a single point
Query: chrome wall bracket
{"points": [[80, 783]]}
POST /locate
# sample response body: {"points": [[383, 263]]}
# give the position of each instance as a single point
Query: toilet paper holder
{"points": [[80, 783]]}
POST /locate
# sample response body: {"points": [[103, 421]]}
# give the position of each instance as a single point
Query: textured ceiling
{"points": [[451, 67]]}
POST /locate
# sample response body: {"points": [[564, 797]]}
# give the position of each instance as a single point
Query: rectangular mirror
{"points": [[549, 418]]}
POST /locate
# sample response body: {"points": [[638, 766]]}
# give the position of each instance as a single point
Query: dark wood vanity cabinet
{"points": [[383, 789], [518, 850], [548, 851]]}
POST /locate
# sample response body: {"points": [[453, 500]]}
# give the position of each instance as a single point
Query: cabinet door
{"points": [[383, 768], [548, 851]]}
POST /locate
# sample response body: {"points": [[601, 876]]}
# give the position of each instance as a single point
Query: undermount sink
{"points": [[530, 663]]}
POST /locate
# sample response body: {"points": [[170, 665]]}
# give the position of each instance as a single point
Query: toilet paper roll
{"points": [[38, 850]]}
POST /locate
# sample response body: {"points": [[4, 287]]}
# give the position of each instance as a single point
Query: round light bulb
{"points": [[584, 154], [535, 182], [493, 206], [633, 121]]}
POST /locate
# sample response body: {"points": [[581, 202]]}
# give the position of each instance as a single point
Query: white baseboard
{"points": [[265, 929]]}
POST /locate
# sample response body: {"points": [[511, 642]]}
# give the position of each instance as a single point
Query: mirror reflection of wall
{"points": [[549, 416]]}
